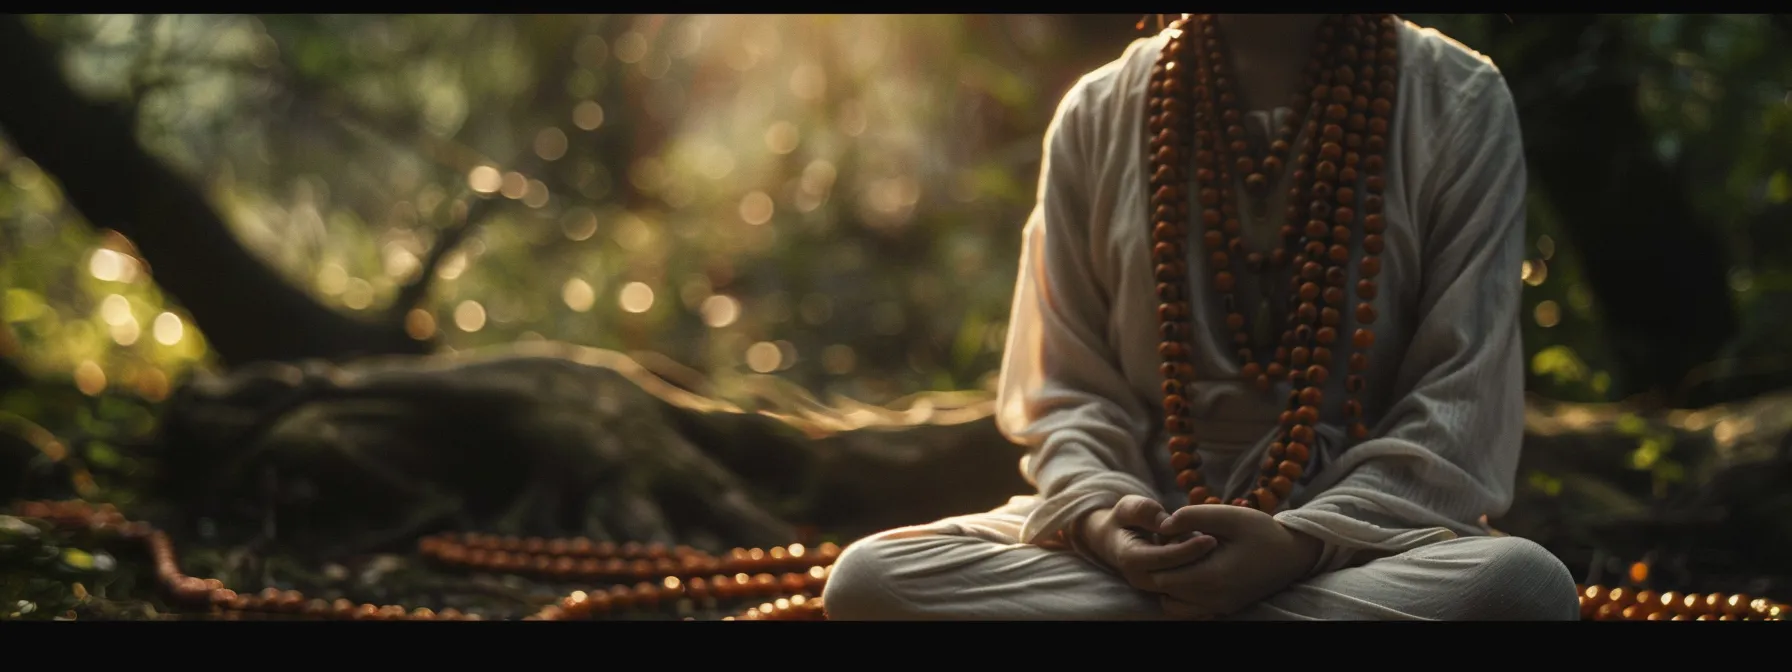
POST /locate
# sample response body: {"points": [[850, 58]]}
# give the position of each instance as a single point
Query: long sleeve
{"points": [[1061, 393], [1445, 451]]}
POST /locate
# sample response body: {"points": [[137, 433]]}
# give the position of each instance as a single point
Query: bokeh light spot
{"points": [[89, 378], [550, 143], [168, 329], [578, 295], [756, 208], [1548, 314], [419, 324], [484, 179], [469, 316], [588, 115], [720, 311], [764, 357], [636, 297]]}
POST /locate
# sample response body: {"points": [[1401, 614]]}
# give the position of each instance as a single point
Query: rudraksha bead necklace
{"points": [[1340, 120]]}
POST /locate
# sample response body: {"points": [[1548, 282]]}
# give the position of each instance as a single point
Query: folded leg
{"points": [[1465, 579], [973, 568]]}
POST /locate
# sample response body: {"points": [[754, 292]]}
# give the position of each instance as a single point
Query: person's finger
{"points": [[1175, 608], [1204, 580], [1145, 557], [1215, 519], [1138, 512]]}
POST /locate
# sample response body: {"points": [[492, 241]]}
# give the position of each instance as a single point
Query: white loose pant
{"points": [[974, 568]]}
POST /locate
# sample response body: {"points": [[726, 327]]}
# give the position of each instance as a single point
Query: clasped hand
{"points": [[1204, 560]]}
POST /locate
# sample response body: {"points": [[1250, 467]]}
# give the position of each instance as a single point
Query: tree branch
{"points": [[246, 310]]}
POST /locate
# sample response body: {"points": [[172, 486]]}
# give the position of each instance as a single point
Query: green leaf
{"points": [[23, 305], [1779, 187]]}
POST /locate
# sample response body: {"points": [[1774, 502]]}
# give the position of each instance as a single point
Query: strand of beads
{"points": [[1235, 155], [742, 574], [1322, 258], [1289, 454], [205, 593], [1598, 603], [1345, 116], [1381, 65], [1168, 128]]}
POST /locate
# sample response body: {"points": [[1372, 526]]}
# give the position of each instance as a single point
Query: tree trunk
{"points": [[247, 311]]}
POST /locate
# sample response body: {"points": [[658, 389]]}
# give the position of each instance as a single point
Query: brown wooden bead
{"points": [[1353, 408], [1306, 313], [1325, 335], [1281, 485], [1275, 371], [1180, 370], [1298, 356], [1359, 431], [1199, 495], [1180, 461], [1171, 272], [1370, 266], [1266, 500], [1353, 383], [1165, 252], [1290, 469], [1224, 281], [1328, 317], [1169, 291], [1188, 478], [1301, 433], [1358, 362], [1182, 444], [1317, 374], [1365, 313], [1336, 276], [1174, 404], [1374, 183], [1372, 244], [1306, 415], [1316, 226]]}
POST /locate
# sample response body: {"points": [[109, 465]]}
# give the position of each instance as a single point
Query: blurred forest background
{"points": [[833, 200]]}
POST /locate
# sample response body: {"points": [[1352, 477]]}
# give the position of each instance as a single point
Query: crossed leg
{"points": [[974, 568]]}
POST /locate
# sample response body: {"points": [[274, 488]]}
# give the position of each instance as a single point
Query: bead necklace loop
{"points": [[1334, 142]]}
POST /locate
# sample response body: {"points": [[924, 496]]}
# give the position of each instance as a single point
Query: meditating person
{"points": [[1264, 353]]}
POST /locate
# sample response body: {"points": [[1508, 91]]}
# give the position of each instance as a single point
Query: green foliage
{"points": [[833, 199]]}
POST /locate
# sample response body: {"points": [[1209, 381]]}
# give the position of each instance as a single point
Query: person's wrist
{"points": [[1306, 550], [1081, 526]]}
